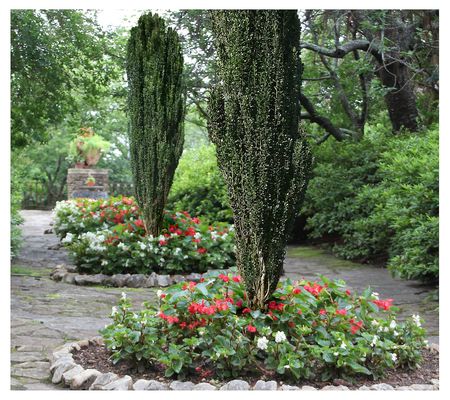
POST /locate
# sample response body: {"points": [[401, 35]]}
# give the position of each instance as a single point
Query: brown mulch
{"points": [[98, 357]]}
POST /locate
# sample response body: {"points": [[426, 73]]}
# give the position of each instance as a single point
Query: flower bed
{"points": [[108, 236], [315, 331]]}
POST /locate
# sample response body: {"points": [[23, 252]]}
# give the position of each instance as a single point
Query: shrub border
{"points": [[64, 370], [68, 274]]}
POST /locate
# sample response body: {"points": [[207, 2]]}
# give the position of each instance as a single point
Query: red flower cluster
{"points": [[251, 328], [225, 278], [315, 289], [168, 318], [341, 312], [355, 326], [191, 285], [384, 304], [201, 250], [273, 305], [202, 308], [297, 290]]}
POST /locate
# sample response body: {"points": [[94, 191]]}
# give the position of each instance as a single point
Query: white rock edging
{"points": [[64, 370]]}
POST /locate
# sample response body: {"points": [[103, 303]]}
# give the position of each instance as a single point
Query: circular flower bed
{"points": [[308, 330], [108, 236]]}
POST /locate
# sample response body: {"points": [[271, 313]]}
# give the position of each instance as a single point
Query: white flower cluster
{"points": [[68, 238], [95, 240], [262, 343], [280, 337], [416, 319]]}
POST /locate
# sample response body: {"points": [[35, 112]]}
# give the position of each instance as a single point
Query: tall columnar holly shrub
{"points": [[254, 122], [156, 108]]}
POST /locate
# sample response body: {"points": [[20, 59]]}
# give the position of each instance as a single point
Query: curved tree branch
{"points": [[344, 49], [323, 122]]}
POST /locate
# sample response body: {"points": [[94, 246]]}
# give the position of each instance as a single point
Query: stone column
{"points": [[77, 186]]}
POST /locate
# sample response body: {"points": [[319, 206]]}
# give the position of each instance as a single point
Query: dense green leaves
{"points": [[198, 186], [254, 116], [156, 108], [380, 197], [55, 55]]}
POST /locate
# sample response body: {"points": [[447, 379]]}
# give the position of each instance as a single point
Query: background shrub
{"points": [[16, 200], [198, 186], [378, 199]]}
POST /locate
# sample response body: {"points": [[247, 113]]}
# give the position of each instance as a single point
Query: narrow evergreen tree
{"points": [[156, 105], [254, 122]]}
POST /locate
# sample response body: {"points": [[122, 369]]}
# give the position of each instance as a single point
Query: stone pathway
{"points": [[45, 314]]}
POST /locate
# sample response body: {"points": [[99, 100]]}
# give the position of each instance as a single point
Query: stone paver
{"points": [[46, 314]]}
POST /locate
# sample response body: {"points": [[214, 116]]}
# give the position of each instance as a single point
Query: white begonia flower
{"points": [[393, 324], [161, 237], [343, 345], [142, 246], [159, 293], [262, 343], [68, 238], [376, 295], [386, 329], [336, 353], [374, 341], [114, 310], [123, 296], [197, 235], [280, 337], [287, 367], [104, 262], [396, 333], [416, 319], [375, 322], [394, 357]]}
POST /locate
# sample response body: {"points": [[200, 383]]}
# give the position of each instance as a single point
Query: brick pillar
{"points": [[77, 186]]}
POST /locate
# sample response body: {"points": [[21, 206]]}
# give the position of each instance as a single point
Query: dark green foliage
{"points": [[198, 186], [380, 199], [56, 56], [156, 109], [254, 116], [17, 174]]}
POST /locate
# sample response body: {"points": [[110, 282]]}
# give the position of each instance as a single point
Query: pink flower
{"points": [[236, 278], [341, 312], [251, 328], [225, 278], [322, 312]]}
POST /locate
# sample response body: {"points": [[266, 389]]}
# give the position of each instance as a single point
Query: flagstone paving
{"points": [[45, 314]]}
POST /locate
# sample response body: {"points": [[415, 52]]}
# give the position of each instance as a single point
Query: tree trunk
{"points": [[401, 100]]}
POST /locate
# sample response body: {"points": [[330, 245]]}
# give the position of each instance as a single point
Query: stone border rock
{"points": [[68, 274], [64, 370]]}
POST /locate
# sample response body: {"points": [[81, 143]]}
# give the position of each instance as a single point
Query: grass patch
{"points": [[26, 271], [321, 256], [53, 296]]}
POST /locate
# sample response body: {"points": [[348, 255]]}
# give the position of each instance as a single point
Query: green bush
{"points": [[312, 330], [198, 186], [379, 200], [16, 203]]}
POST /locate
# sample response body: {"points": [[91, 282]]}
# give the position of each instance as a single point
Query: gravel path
{"points": [[45, 314]]}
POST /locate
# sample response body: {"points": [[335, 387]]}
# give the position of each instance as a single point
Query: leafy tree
{"points": [[55, 56], [393, 54], [254, 116], [156, 109]]}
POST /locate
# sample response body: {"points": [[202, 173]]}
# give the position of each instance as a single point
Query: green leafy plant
{"points": [[198, 186], [254, 117], [379, 198], [314, 330], [156, 105]]}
